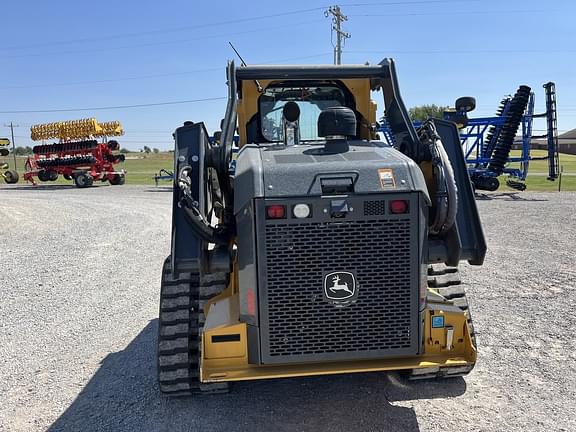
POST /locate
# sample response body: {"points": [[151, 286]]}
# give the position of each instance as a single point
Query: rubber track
{"points": [[509, 130], [446, 282], [181, 320]]}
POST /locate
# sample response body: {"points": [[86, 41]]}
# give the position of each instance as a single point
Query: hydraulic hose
{"points": [[451, 189], [219, 234], [446, 190]]}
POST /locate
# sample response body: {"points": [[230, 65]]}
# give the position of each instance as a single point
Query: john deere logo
{"points": [[340, 287]]}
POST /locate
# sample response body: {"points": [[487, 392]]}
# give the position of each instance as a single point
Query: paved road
{"points": [[79, 288]]}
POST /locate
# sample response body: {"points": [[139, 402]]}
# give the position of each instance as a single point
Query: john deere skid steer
{"points": [[325, 251]]}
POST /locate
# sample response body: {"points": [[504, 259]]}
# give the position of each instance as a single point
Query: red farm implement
{"points": [[78, 155]]}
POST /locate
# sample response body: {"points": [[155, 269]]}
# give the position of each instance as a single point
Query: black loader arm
{"points": [[191, 145], [397, 117], [466, 240]]}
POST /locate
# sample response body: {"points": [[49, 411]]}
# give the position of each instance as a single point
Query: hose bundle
{"points": [[446, 194], [220, 234]]}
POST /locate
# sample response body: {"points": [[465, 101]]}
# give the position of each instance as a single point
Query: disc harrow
{"points": [[66, 161], [65, 147], [76, 130], [506, 137], [78, 156], [494, 130]]}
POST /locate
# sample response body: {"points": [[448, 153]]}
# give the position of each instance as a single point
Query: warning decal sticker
{"points": [[386, 177]]}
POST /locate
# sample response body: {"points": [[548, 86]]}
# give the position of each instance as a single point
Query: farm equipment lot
{"points": [[80, 285]]}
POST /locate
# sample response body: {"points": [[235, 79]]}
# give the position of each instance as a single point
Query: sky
{"points": [[77, 56]]}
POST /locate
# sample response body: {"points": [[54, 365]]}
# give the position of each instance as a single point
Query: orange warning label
{"points": [[386, 176]]}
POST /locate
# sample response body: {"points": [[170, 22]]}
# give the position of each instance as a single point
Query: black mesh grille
{"points": [[374, 208], [303, 323]]}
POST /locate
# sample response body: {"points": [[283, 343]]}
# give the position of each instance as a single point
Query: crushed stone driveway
{"points": [[79, 300]]}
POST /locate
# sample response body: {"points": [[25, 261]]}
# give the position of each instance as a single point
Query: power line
{"points": [[224, 23], [113, 80], [482, 12], [134, 78], [474, 51], [165, 31], [148, 44], [112, 107], [403, 3]]}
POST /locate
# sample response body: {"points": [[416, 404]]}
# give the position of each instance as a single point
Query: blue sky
{"points": [[68, 54]]}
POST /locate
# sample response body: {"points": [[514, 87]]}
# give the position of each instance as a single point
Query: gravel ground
{"points": [[79, 289]]}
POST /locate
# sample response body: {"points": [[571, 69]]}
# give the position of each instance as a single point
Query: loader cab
{"points": [[261, 109]]}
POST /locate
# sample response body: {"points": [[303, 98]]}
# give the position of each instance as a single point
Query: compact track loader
{"points": [[325, 250]]}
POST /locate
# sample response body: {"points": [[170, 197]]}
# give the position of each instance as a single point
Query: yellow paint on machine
{"points": [[225, 351]]}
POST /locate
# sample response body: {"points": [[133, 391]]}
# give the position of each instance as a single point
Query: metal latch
{"points": [[337, 185], [449, 337]]}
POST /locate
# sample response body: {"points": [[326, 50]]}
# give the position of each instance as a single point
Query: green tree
{"points": [[424, 112], [147, 149], [124, 150], [23, 151], [155, 150]]}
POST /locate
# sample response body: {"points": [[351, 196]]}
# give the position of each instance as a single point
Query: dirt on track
{"points": [[79, 300]]}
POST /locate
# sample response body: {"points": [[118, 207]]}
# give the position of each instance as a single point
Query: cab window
{"points": [[310, 99]]}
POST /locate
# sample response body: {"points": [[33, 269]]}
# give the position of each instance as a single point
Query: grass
{"points": [[538, 171], [141, 169]]}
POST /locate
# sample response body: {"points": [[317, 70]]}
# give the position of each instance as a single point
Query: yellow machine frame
{"points": [[449, 346], [225, 358]]}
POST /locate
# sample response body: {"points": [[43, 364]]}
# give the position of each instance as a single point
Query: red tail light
{"points": [[276, 211], [251, 301], [398, 206]]}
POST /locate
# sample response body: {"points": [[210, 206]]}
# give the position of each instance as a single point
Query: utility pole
{"points": [[341, 36], [12, 126]]}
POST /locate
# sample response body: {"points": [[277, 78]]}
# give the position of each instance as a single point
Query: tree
{"points": [[147, 149], [155, 150], [423, 112], [124, 150], [23, 151]]}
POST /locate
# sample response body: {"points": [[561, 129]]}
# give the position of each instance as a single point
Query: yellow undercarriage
{"points": [[225, 352]]}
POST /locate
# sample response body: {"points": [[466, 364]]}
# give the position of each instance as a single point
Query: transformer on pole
{"points": [[341, 36]]}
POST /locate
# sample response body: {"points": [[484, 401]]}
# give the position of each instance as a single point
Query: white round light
{"points": [[301, 211]]}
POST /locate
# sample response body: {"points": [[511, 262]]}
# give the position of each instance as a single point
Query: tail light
{"points": [[276, 211], [399, 206]]}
